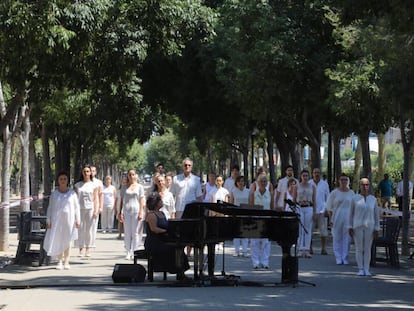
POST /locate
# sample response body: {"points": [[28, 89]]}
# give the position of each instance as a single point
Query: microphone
{"points": [[292, 205], [290, 202]]}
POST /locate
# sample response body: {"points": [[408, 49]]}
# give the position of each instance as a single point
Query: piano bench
{"points": [[142, 254]]}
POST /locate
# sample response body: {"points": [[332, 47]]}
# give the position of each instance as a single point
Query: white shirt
{"points": [[364, 213], [240, 196], [221, 194], [262, 199], [185, 190], [108, 194], [85, 193], [322, 193], [229, 184], [168, 204]]}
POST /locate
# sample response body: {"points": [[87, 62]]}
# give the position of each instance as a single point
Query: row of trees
{"points": [[93, 76]]}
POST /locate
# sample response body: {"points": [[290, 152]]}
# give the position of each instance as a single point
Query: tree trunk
{"points": [[47, 171], [381, 157], [357, 168], [5, 180], [24, 177], [33, 168], [407, 142], [366, 155]]}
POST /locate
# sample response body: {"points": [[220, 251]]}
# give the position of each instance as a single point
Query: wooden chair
{"points": [[32, 230], [388, 240]]}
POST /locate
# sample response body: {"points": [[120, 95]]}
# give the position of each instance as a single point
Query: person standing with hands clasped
{"points": [[63, 219], [363, 225], [132, 214], [306, 199]]}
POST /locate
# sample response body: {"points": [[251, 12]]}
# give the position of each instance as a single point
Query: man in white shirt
{"points": [[186, 188], [229, 182], [322, 193]]}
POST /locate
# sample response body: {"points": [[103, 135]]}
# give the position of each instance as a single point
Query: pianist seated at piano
{"points": [[164, 255]]}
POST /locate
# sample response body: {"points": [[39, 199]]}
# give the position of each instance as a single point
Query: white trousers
{"points": [[243, 242], [133, 232], [260, 251], [363, 239], [86, 236], [340, 241], [306, 216], [107, 218]]}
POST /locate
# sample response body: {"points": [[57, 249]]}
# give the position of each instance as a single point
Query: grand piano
{"points": [[198, 229]]}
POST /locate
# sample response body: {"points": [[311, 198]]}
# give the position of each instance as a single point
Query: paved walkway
{"points": [[88, 285]]}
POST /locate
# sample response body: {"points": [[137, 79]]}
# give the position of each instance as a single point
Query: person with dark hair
{"points": [[306, 199], [338, 207], [63, 219], [385, 188], [238, 196], [88, 194], [282, 188], [163, 255], [132, 210]]}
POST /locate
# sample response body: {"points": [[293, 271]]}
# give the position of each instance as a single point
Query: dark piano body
{"points": [[197, 228]]}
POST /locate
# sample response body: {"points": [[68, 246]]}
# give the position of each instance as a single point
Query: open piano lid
{"points": [[200, 210]]}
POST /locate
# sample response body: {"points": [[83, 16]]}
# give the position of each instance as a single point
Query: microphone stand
{"points": [[296, 208]]}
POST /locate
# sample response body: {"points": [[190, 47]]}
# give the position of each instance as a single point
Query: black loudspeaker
{"points": [[129, 273]]}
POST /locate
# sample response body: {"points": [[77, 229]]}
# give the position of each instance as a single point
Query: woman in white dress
{"points": [[109, 209], [88, 194], [63, 219], [133, 214], [240, 195], [338, 207]]}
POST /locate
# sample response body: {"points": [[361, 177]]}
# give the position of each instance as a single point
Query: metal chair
{"points": [[390, 233]]}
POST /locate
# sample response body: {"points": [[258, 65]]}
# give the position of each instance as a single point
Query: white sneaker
{"points": [[66, 266], [59, 266], [128, 256], [361, 273], [367, 273]]}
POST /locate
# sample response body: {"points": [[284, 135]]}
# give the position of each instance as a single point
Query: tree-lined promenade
{"points": [[84, 81]]}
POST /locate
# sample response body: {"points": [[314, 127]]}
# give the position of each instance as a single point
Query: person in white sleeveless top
{"points": [[133, 214], [109, 210], [306, 199], [240, 195], [260, 248], [290, 194], [219, 193]]}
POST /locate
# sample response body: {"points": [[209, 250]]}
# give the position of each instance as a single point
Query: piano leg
{"points": [[211, 256], [196, 263]]}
